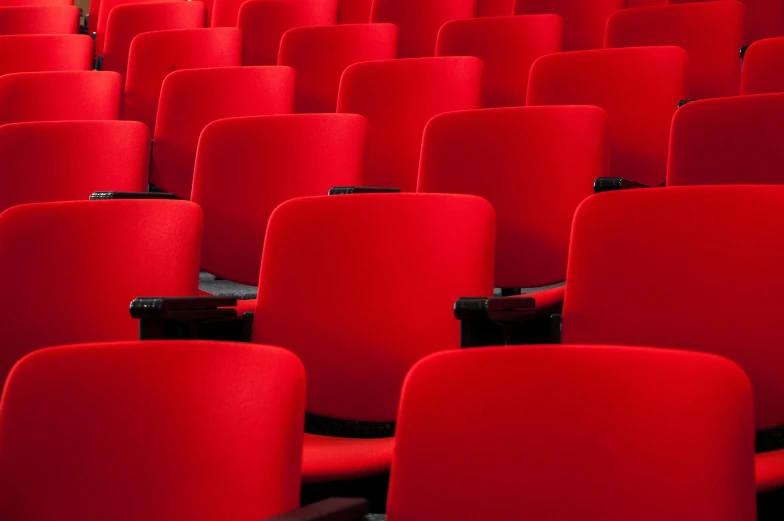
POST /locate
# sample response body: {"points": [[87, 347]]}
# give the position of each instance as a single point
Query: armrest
{"points": [[348, 190], [743, 50], [333, 509], [490, 321], [190, 318], [609, 184], [684, 102], [98, 196]]}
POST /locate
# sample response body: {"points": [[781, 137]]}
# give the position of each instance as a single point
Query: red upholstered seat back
{"points": [[246, 167], [45, 19], [673, 267], [488, 432], [584, 21], [639, 88], [361, 287], [107, 6], [45, 52], [763, 67], [354, 11], [152, 430]]}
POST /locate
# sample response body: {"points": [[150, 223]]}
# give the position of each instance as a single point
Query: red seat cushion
{"points": [[328, 458], [769, 470]]}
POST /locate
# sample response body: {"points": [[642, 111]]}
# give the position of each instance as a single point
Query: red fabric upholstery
{"points": [[354, 11], [418, 21], [763, 67], [765, 19], [534, 165], [61, 95], [107, 6], [496, 7], [45, 52], [328, 458], [584, 21], [639, 88], [769, 467], [49, 19], [93, 257], [737, 140], [399, 97], [155, 54], [246, 167], [264, 22], [574, 432], [127, 21], [357, 348], [192, 99], [710, 32], [47, 161], [507, 46], [152, 430], [713, 246], [24, 3], [319, 55]]}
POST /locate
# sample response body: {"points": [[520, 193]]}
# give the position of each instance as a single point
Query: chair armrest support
{"points": [[190, 318], [348, 190], [332, 509], [99, 196], [609, 184], [489, 321]]}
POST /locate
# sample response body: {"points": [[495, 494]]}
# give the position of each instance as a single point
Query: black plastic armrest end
{"points": [[609, 184], [99, 196], [743, 51], [333, 509], [348, 190], [183, 308]]}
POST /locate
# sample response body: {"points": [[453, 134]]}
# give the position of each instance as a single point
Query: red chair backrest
{"points": [[354, 11], [46, 161], [32, 3], [319, 55], [496, 7], [45, 52], [60, 95], [48, 19], [418, 21], [507, 46], [152, 430], [639, 88], [107, 6], [737, 140], [399, 97], [155, 54], [384, 294], [710, 32], [763, 67], [683, 260], [128, 21], [534, 165], [194, 98], [246, 167], [94, 258], [608, 424], [584, 21]]}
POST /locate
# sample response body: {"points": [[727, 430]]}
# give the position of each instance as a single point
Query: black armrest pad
{"points": [[743, 51], [348, 190], [97, 196], [333, 509], [183, 308], [520, 308], [608, 184]]}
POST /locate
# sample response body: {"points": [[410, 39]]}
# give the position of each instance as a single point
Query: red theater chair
{"points": [[319, 55], [152, 430], [583, 21], [49, 19], [33, 3], [354, 11], [128, 21], [640, 89], [264, 22], [60, 95], [710, 32], [535, 165], [763, 67], [737, 140], [418, 21], [246, 167], [507, 46], [69, 160], [356, 351], [191, 99], [399, 97], [107, 6], [45, 52], [155, 54]]}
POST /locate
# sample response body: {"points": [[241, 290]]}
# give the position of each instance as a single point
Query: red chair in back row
{"points": [[192, 99], [584, 21], [418, 21], [107, 6], [398, 98], [710, 32], [639, 87], [60, 95], [45, 52], [507, 46], [33, 3], [154, 55], [354, 11], [763, 67], [320, 55], [49, 19], [154, 430], [737, 140], [574, 432]]}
